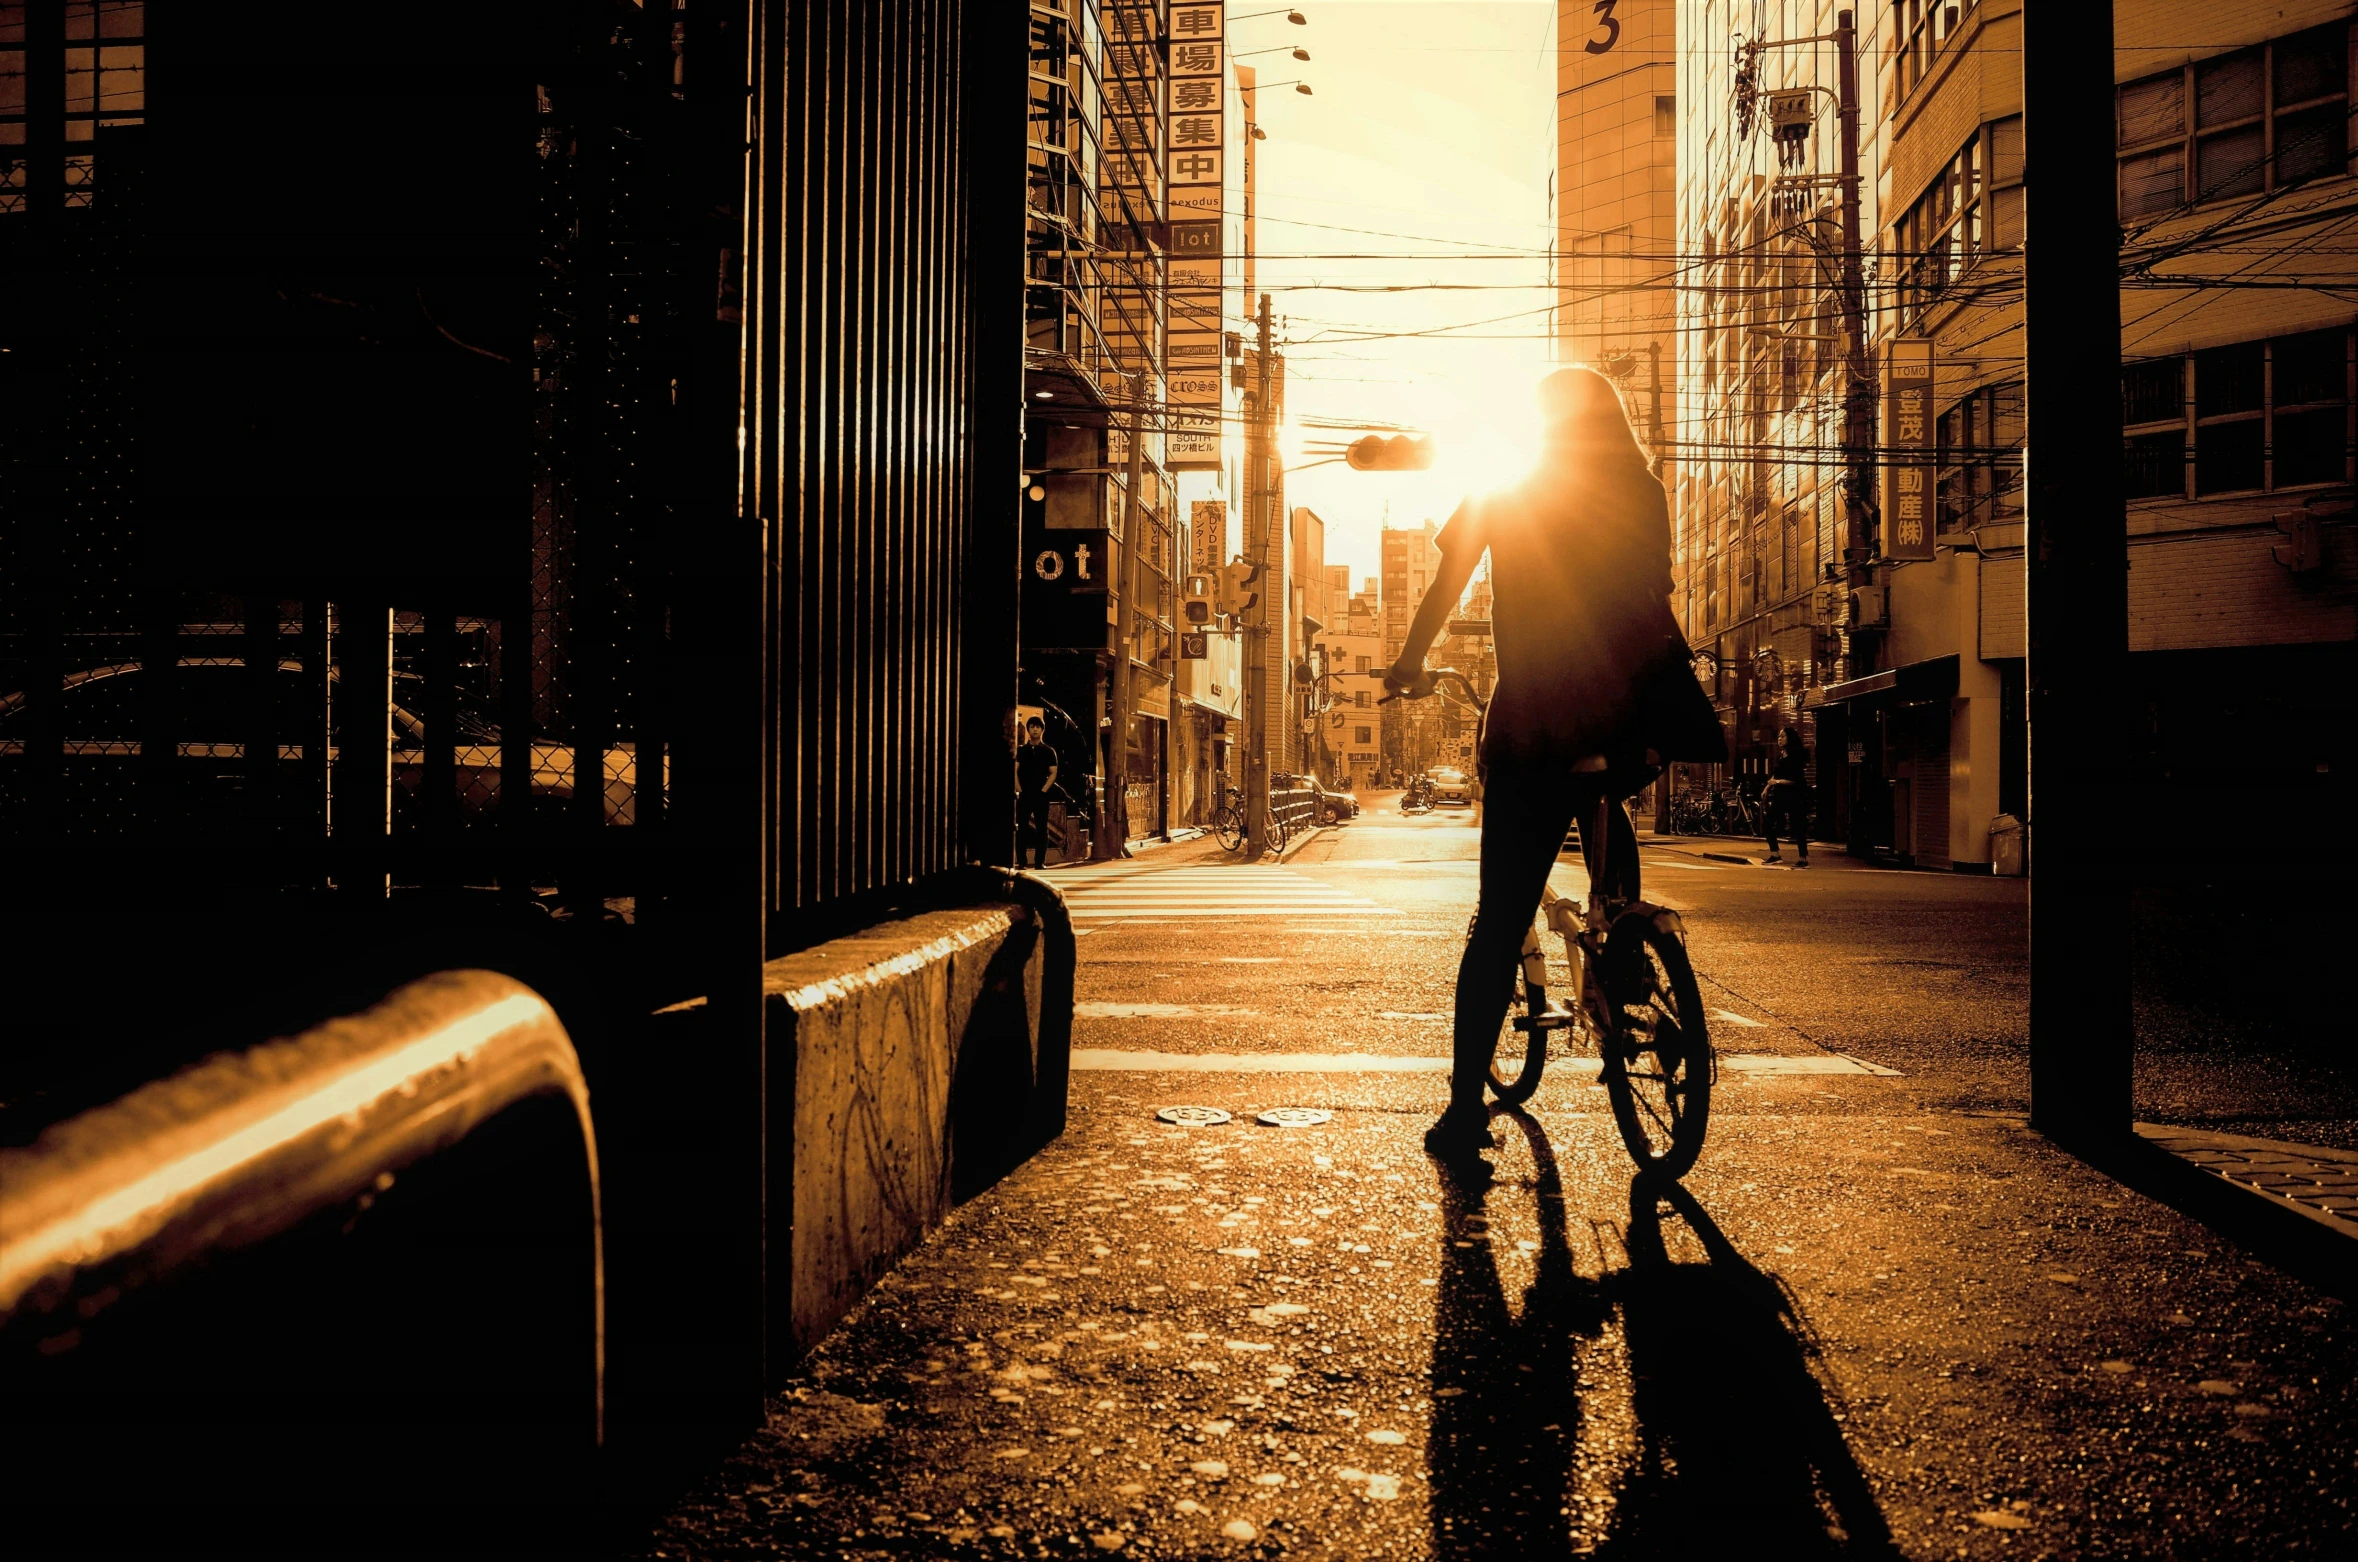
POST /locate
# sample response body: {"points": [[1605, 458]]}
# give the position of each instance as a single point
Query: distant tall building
{"points": [[1616, 193], [1411, 558]]}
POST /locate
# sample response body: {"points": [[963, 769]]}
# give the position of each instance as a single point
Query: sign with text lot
{"points": [[1065, 602], [1909, 450]]}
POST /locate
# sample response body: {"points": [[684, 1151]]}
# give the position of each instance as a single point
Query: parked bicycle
{"points": [[1228, 823], [1635, 1000]]}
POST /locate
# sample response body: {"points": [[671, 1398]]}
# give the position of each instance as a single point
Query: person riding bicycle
{"points": [[1594, 691]]}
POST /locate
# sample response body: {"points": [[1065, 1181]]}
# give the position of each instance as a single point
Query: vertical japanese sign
{"points": [[1133, 207], [1909, 450], [1198, 167], [1207, 536]]}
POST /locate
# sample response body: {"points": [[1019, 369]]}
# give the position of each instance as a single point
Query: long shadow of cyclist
{"points": [[1506, 1406], [1737, 1450]]}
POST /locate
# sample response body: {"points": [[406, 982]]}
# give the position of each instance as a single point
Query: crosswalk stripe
{"points": [[1216, 892]]}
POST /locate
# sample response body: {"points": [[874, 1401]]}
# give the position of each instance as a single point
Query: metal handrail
{"points": [[246, 1145]]}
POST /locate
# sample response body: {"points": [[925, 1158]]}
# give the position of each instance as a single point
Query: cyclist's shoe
{"points": [[1461, 1132]]}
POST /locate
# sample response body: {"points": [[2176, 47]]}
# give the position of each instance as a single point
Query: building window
{"points": [[2251, 416], [105, 88], [1918, 30], [1362, 735], [2239, 124], [1665, 114], [1981, 459], [1973, 207]]}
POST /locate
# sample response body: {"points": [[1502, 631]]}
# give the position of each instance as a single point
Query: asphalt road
{"points": [[1884, 1318]]}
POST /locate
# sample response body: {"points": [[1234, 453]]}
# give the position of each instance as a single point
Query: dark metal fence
{"points": [[532, 489]]}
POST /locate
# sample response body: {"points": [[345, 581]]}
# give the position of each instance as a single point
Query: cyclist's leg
{"points": [[1604, 824], [1527, 810]]}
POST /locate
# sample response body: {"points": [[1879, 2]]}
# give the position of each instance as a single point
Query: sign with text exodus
{"points": [[1909, 450]]}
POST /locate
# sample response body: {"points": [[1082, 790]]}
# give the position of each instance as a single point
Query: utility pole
{"points": [[1858, 391], [1858, 394], [1113, 820], [2082, 1035], [1256, 629]]}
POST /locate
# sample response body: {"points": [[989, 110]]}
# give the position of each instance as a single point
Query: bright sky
{"points": [[1430, 139]]}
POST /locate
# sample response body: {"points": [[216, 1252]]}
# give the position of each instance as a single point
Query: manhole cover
{"points": [[1193, 1116], [1294, 1117]]}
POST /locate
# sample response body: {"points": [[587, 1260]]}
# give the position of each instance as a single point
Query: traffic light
{"points": [[1400, 453], [1235, 599], [1197, 606]]}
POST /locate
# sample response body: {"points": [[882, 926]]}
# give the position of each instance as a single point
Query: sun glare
{"points": [[1486, 436]]}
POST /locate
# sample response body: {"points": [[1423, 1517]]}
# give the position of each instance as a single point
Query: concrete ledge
{"points": [[907, 1069]]}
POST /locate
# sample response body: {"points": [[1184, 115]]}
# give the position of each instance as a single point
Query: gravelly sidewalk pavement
{"points": [[1872, 1330]]}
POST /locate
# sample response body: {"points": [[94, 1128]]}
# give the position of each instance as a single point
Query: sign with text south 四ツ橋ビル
{"points": [[1197, 253]]}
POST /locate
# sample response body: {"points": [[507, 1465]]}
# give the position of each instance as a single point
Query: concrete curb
{"points": [[2240, 1161]]}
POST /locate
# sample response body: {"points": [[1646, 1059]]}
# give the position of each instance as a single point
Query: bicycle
{"points": [[1636, 1002], [1228, 820], [1228, 824]]}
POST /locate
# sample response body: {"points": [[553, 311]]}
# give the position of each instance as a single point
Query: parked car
{"points": [[1451, 786]]}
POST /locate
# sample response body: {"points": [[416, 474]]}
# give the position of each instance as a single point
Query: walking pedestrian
{"points": [[1788, 798], [1035, 773]]}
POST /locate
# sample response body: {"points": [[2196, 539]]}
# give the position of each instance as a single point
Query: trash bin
{"points": [[2006, 843]]}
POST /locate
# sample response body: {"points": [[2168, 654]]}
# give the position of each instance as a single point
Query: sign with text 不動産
{"points": [[1196, 255], [1909, 450]]}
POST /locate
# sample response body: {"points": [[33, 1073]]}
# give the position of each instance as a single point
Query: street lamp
{"points": [[1299, 54], [1302, 87], [1295, 17]]}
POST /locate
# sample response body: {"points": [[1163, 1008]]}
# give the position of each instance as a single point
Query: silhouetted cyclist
{"points": [[1594, 690]]}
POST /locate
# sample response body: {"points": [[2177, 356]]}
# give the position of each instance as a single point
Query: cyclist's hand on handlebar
{"points": [[1405, 678]]}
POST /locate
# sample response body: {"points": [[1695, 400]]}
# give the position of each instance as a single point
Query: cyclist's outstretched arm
{"points": [[1432, 614]]}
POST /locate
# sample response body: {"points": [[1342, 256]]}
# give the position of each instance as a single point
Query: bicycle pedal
{"points": [[1553, 1017]]}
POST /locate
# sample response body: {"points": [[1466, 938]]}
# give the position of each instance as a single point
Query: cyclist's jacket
{"points": [[1590, 660]]}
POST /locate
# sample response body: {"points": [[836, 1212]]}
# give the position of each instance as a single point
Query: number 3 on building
{"points": [[1604, 10]]}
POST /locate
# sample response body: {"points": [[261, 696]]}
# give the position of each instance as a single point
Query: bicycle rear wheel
{"points": [[1658, 1060]]}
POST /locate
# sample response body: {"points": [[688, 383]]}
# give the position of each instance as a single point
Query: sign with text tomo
{"points": [[1909, 450]]}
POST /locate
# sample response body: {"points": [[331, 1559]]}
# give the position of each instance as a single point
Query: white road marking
{"points": [[1733, 1018], [1185, 894], [1127, 1060]]}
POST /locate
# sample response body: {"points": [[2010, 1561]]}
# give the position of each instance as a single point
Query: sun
{"points": [[1486, 430]]}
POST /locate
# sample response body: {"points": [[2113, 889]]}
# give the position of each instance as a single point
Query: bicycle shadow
{"points": [[1736, 1449]]}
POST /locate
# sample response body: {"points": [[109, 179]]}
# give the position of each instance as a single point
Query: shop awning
{"points": [[1918, 683]]}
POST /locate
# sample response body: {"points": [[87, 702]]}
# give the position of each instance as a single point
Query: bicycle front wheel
{"points": [[1521, 1054], [1229, 826], [1658, 1059]]}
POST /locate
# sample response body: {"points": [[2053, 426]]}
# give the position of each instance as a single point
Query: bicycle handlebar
{"points": [[1430, 681]]}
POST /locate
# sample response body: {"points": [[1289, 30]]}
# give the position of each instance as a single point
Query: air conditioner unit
{"points": [[1870, 607]]}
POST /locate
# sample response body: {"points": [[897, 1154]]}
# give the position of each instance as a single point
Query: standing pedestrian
{"points": [[1035, 773], [1788, 798]]}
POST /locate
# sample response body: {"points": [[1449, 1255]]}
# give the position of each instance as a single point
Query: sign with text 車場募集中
{"points": [[1196, 254]]}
